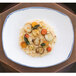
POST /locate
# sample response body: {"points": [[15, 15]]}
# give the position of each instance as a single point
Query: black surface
{"points": [[70, 68], [4, 6], [71, 6]]}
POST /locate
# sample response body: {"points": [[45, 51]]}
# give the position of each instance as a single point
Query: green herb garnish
{"points": [[35, 27], [26, 40], [43, 44]]}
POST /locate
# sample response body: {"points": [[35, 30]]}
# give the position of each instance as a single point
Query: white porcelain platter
{"points": [[61, 24]]}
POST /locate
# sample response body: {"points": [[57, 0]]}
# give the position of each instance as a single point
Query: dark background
{"points": [[5, 6], [69, 6], [72, 6]]}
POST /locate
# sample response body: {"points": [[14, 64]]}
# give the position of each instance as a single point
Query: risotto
{"points": [[37, 38]]}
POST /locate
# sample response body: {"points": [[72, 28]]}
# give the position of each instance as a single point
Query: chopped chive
{"points": [[26, 40]]}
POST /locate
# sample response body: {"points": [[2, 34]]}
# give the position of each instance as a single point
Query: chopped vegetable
{"points": [[43, 44], [26, 40], [26, 35], [43, 31], [46, 42], [35, 27], [34, 24], [23, 45], [48, 49]]}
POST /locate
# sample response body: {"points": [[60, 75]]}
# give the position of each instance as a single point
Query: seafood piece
{"points": [[37, 41], [28, 28], [40, 50], [35, 32], [48, 37]]}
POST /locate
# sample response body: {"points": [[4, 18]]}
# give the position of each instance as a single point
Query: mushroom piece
{"points": [[48, 37], [36, 41], [40, 50], [28, 28]]}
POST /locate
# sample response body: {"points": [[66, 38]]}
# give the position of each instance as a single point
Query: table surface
{"points": [[20, 68]]}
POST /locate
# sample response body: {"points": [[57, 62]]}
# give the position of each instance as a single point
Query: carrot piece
{"points": [[49, 49], [26, 35], [34, 24], [23, 45], [43, 31], [46, 42]]}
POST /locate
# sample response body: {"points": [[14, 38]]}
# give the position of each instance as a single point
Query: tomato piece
{"points": [[23, 45], [26, 35], [46, 42], [49, 49], [43, 31]]}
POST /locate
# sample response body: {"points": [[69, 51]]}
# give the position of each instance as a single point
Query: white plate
{"points": [[61, 24]]}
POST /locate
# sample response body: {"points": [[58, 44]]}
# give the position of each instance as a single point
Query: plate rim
{"points": [[37, 8]]}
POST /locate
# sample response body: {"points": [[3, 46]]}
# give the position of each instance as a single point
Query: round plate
{"points": [[61, 24]]}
